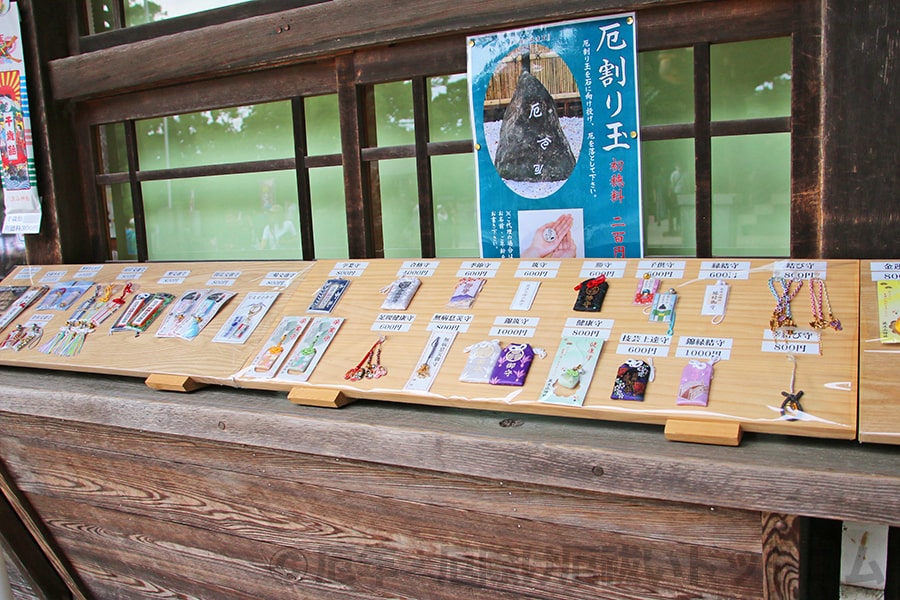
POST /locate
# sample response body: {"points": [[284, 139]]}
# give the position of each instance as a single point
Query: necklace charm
{"points": [[820, 304], [782, 317]]}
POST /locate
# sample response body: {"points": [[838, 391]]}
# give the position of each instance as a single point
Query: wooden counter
{"points": [[230, 493]]}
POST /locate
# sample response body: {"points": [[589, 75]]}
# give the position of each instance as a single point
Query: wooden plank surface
{"points": [[879, 391], [832, 479], [221, 520], [747, 388]]}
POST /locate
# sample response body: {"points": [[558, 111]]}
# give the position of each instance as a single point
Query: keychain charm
{"points": [[370, 366], [646, 290], [791, 407]]}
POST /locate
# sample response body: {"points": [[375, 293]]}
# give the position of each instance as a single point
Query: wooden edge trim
{"points": [[326, 398], [704, 432], [173, 383]]}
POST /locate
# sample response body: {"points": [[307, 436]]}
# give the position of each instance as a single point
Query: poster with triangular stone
{"points": [[554, 111]]}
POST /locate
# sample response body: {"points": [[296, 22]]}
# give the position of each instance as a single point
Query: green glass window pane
{"points": [[138, 12], [112, 148], [400, 208], [448, 108], [666, 85], [326, 185], [750, 80], [238, 134], [120, 217], [455, 213], [669, 204], [230, 217], [323, 126], [394, 124], [751, 202]]}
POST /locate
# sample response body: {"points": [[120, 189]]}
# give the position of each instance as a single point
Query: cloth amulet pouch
{"points": [[513, 365], [693, 389], [631, 380], [591, 293]]}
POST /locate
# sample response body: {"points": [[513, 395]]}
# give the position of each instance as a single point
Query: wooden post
{"points": [[781, 556]]}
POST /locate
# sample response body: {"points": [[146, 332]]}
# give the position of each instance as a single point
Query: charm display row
{"points": [[299, 343], [127, 310]]}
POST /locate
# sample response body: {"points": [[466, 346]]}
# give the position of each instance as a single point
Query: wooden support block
{"points": [[326, 398], [173, 383], [704, 432]]}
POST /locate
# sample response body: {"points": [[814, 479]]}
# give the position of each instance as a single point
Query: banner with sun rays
{"points": [[22, 209]]}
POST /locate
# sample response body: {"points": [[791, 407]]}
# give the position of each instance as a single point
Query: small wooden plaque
{"points": [[704, 432], [326, 398], [173, 383]]}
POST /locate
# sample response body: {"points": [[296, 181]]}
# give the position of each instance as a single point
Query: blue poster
{"points": [[556, 130]]}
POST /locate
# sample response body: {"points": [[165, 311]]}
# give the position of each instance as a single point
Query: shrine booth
{"points": [[341, 299]]}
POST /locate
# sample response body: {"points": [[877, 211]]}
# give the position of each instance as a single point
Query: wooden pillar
{"points": [[781, 543]]}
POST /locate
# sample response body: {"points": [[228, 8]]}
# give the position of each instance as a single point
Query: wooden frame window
{"points": [[354, 76]]}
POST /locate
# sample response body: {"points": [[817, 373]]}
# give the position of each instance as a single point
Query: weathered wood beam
{"points": [[306, 33]]}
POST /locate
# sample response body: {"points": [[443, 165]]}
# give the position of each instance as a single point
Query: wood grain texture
{"points": [[879, 403], [831, 408], [781, 557], [314, 31], [32, 569], [21, 589], [133, 522], [572, 507], [44, 565], [724, 434], [821, 478], [860, 204]]}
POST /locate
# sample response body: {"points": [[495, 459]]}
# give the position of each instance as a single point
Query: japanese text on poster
{"points": [[555, 119]]}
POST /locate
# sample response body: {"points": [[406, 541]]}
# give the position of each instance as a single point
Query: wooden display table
{"points": [[755, 367]]}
